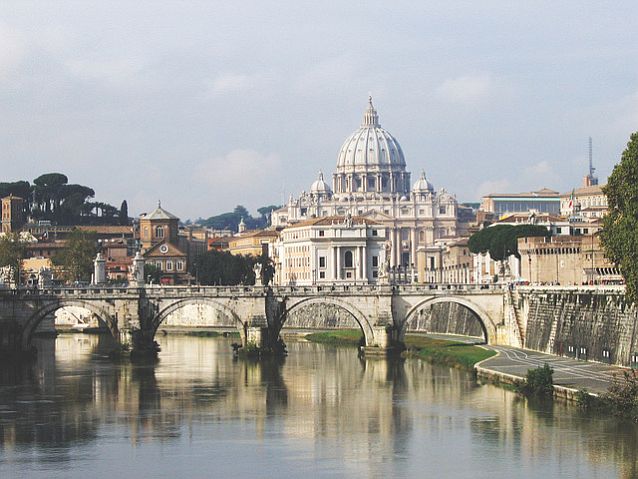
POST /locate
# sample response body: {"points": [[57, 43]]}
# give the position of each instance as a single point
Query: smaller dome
{"points": [[320, 187], [422, 185]]}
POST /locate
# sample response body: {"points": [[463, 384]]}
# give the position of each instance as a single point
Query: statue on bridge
{"points": [[257, 271]]}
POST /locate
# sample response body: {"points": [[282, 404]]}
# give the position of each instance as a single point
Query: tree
{"points": [[124, 213], [501, 241], [223, 268], [619, 235], [152, 273], [12, 252], [76, 259], [17, 188]]}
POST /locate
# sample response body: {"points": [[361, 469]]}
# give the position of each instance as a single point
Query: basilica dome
{"points": [[370, 147], [371, 161]]}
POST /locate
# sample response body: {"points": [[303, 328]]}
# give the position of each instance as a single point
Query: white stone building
{"points": [[330, 250], [371, 181]]}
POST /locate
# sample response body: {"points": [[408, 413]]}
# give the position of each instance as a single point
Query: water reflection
{"points": [[321, 411]]}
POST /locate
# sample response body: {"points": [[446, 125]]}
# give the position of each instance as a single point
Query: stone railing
{"points": [[316, 290]]}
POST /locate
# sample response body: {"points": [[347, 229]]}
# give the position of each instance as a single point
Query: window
{"points": [[169, 266], [322, 233], [441, 210], [375, 233], [322, 275], [159, 232], [322, 261], [375, 261], [179, 266], [348, 259]]}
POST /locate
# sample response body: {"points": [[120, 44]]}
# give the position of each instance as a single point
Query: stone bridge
{"points": [[133, 315]]}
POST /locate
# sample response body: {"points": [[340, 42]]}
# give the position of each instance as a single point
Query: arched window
{"points": [[159, 232], [348, 259]]}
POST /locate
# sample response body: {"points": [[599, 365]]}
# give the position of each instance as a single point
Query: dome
{"points": [[370, 148], [320, 187], [422, 185]]}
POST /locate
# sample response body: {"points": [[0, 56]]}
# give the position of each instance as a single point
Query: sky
{"points": [[205, 105]]}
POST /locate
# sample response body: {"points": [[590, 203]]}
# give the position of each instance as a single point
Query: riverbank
{"points": [[440, 351], [201, 333]]}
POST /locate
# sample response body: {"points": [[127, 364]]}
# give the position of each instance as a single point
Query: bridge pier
{"points": [[11, 344], [385, 341]]}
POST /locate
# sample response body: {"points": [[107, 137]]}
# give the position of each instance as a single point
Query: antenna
{"points": [[591, 159]]}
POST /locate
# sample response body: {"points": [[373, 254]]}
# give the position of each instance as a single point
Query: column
{"points": [[413, 245], [365, 263], [393, 240], [338, 262]]}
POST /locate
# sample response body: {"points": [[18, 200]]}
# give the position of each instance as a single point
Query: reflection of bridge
{"points": [[133, 315]]}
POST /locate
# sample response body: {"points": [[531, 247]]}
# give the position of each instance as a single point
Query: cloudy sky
{"points": [[210, 104]]}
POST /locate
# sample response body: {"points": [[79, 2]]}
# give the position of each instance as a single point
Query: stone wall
{"points": [[446, 318], [592, 325], [198, 316], [320, 316]]}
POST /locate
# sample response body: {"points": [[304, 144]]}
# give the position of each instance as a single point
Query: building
{"points": [[566, 260], [588, 201], [541, 201], [445, 262], [252, 243], [13, 214], [371, 180], [159, 238], [170, 261], [157, 227], [331, 250]]}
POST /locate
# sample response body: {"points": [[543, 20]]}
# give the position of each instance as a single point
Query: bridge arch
{"points": [[215, 304], [354, 312], [487, 325], [40, 314]]}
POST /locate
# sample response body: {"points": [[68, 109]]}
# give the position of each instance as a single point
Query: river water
{"points": [[322, 411]]}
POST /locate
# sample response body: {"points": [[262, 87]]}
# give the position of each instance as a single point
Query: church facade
{"points": [[371, 181]]}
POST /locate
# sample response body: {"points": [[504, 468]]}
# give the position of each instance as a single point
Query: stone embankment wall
{"points": [[596, 325], [445, 318], [320, 316]]}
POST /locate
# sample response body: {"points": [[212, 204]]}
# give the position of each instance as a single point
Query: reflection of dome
{"points": [[370, 148], [320, 187], [422, 185]]}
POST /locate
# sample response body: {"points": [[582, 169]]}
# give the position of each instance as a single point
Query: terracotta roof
{"points": [[585, 190], [159, 213], [334, 220], [254, 233], [107, 229], [155, 251]]}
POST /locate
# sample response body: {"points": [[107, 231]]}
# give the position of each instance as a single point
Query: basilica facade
{"points": [[371, 181]]}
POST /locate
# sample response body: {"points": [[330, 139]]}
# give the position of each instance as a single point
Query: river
{"points": [[322, 412]]}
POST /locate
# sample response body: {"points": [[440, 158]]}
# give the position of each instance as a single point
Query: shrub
{"points": [[539, 382], [622, 395]]}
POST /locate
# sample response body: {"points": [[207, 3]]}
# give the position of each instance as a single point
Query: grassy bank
{"points": [[448, 352], [201, 333], [341, 337], [440, 351]]}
